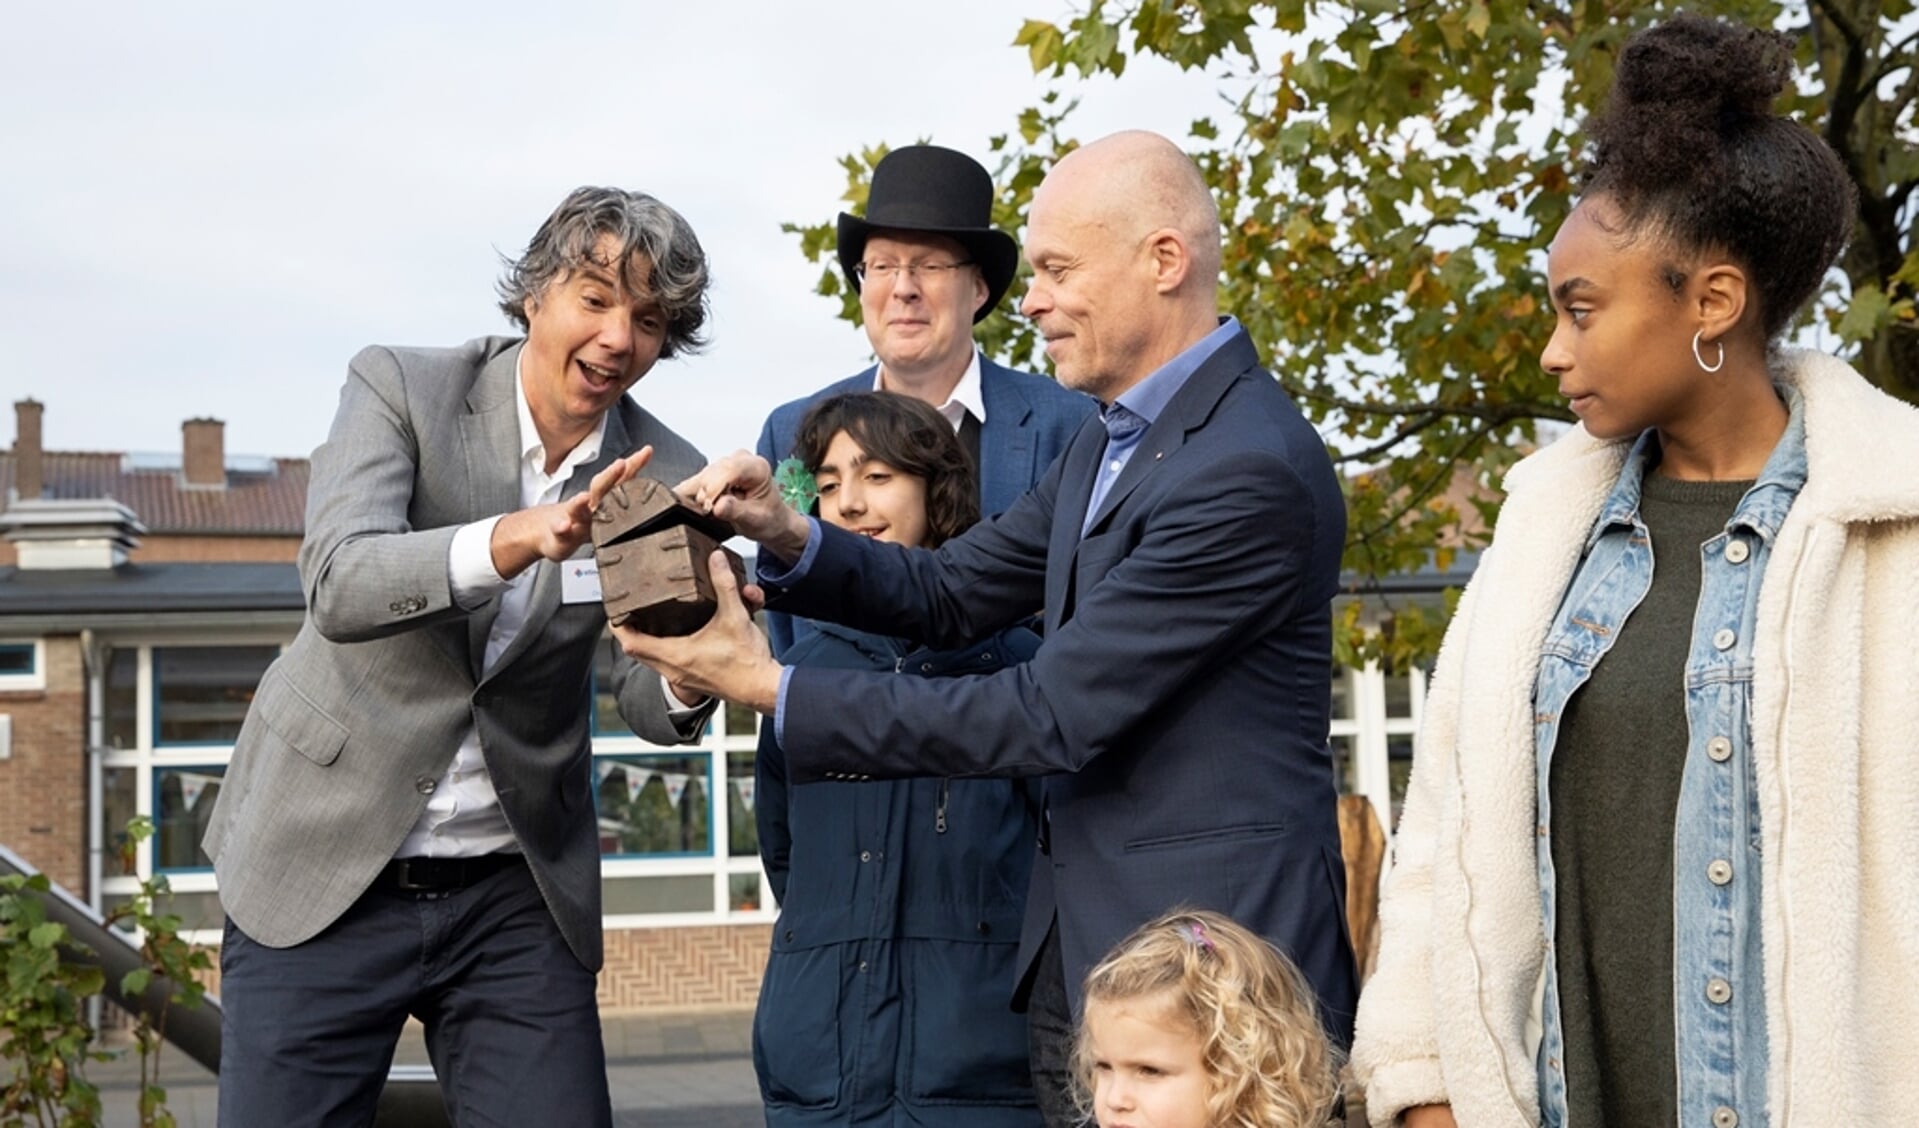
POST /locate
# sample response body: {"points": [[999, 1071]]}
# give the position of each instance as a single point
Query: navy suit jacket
{"points": [[1029, 421], [1179, 707]]}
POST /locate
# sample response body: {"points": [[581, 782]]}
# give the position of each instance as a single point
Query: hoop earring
{"points": [[1700, 357]]}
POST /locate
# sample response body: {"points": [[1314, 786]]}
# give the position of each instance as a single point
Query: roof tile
{"points": [[271, 503]]}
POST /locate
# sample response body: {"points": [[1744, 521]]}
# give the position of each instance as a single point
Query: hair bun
{"points": [[1689, 146], [1720, 75]]}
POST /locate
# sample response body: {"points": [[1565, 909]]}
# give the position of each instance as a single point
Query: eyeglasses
{"points": [[884, 272]]}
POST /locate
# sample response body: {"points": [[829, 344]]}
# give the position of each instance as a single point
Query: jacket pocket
{"points": [[1214, 834], [966, 1046], [296, 720], [796, 1029]]}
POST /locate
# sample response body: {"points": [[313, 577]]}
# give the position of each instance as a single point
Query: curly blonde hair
{"points": [[1266, 1053]]}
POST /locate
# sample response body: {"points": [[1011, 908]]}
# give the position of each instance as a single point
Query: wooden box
{"points": [[652, 550]]}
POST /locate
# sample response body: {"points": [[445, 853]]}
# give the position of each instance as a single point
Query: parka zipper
{"points": [[939, 811]]}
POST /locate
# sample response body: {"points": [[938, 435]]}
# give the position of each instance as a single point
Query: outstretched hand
{"points": [[558, 530], [727, 658], [579, 509], [739, 490]]}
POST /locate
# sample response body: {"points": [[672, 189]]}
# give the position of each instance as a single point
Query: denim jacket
{"points": [[1718, 991]]}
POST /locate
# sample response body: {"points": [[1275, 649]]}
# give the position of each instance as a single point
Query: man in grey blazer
{"points": [[928, 265], [408, 825]]}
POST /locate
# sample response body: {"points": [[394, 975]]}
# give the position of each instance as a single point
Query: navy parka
{"points": [[885, 1002]]}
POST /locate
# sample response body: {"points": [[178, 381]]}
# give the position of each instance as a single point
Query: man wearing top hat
{"points": [[928, 265]]}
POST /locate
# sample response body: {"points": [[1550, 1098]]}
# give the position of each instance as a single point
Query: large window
{"points": [[1375, 717], [654, 804], [676, 824], [183, 805], [677, 836], [123, 699], [171, 711], [201, 693]]}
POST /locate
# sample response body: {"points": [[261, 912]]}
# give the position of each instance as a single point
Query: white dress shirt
{"points": [[463, 816], [966, 394]]}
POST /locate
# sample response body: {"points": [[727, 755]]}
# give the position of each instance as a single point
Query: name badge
{"points": [[580, 580]]}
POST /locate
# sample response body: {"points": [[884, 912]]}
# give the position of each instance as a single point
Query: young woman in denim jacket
{"points": [[1654, 866], [886, 996]]}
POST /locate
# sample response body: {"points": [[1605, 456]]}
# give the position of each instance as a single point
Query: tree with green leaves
{"points": [[1389, 173]]}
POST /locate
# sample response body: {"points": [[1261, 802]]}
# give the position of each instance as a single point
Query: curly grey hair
{"points": [[658, 251]]}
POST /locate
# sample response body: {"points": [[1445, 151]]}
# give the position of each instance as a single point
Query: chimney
{"points": [[67, 534], [204, 461], [29, 473]]}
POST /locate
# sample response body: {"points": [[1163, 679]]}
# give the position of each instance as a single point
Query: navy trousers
{"points": [[1052, 1034], [512, 1024]]}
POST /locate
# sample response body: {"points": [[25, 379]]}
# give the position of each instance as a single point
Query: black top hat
{"points": [[942, 192]]}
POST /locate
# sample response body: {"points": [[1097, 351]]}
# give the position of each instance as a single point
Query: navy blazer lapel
{"points": [[490, 432], [1007, 442], [1189, 408], [1076, 469]]}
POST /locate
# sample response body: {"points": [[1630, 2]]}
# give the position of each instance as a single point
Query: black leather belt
{"points": [[441, 875]]}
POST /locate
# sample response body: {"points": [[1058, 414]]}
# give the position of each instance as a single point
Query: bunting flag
{"points": [[743, 785], [675, 786], [636, 781], [602, 769], [192, 784]]}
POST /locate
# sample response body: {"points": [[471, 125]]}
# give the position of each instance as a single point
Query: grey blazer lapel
{"points": [[545, 598], [490, 431]]}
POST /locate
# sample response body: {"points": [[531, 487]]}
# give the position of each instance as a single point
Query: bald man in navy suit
{"points": [[1185, 549]]}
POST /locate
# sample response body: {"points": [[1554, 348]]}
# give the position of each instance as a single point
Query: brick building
{"points": [[141, 598]]}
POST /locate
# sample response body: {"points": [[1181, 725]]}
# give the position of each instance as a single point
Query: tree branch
{"points": [[1494, 414], [1897, 59], [1385, 445], [1842, 21], [1554, 16], [1893, 107], [1848, 95], [1417, 496]]}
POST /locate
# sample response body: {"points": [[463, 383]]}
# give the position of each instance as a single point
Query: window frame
{"points": [[35, 678], [148, 761]]}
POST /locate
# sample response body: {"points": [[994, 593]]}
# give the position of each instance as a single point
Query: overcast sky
{"points": [[207, 208]]}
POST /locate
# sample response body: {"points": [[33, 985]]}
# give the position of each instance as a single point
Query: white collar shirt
{"points": [[966, 397], [463, 816]]}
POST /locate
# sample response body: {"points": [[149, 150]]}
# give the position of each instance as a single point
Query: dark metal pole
{"points": [[412, 1095]]}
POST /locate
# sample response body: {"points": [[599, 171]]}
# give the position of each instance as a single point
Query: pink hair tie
{"points": [[1196, 932]]}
